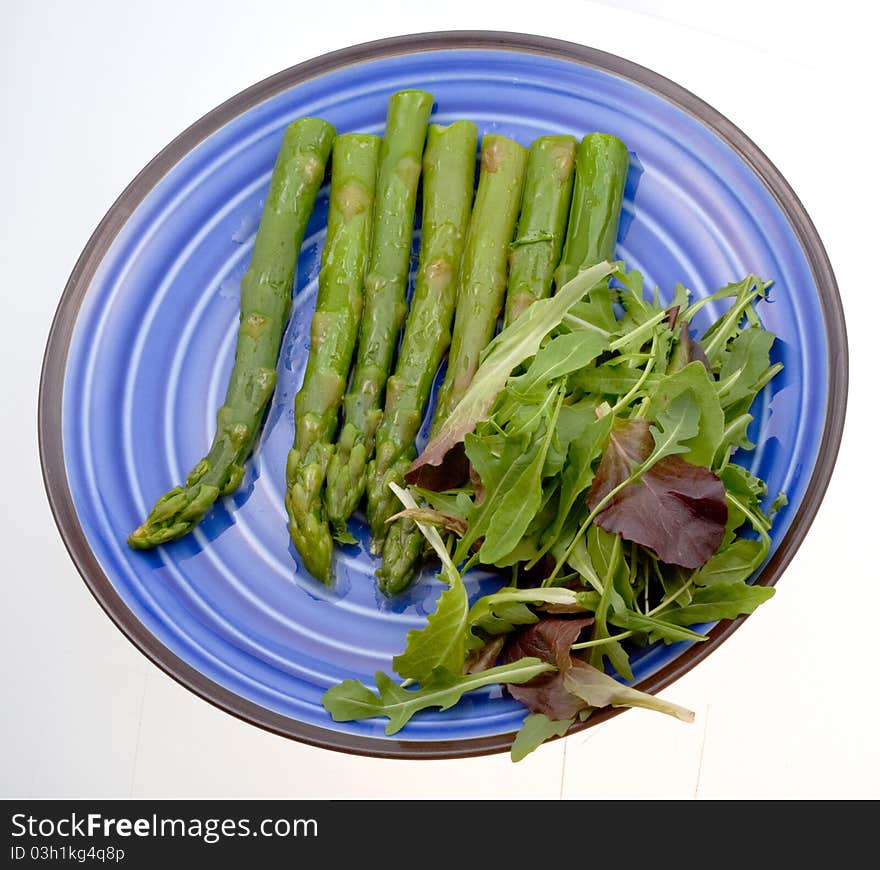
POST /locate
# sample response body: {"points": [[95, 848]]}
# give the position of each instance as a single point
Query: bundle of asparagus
{"points": [[539, 217]]}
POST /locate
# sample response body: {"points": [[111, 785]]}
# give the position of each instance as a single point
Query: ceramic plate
{"points": [[142, 344]]}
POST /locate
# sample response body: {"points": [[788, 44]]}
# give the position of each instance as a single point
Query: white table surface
{"points": [[786, 708]]}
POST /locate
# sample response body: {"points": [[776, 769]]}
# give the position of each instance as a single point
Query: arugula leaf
{"points": [[728, 326], [454, 503], [599, 690], [654, 627], [595, 313], [351, 699], [577, 475], [606, 555], [536, 729], [611, 378], [676, 424], [440, 645], [511, 480], [731, 564], [560, 356], [574, 419], [744, 493], [743, 362], [510, 348], [720, 601], [699, 386], [735, 435]]}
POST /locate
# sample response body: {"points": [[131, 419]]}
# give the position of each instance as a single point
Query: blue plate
{"points": [[142, 344]]}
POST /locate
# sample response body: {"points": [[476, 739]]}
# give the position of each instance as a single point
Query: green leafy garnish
{"points": [[598, 440], [350, 699]]}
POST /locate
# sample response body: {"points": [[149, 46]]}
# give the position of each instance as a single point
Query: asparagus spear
{"points": [[600, 176], [448, 190], [333, 336], [482, 285], [265, 305], [400, 164], [484, 264], [541, 229]]}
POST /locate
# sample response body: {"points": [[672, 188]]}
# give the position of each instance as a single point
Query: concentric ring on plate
{"points": [[137, 358]]}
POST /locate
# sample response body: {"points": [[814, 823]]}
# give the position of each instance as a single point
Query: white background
{"points": [[90, 91]]}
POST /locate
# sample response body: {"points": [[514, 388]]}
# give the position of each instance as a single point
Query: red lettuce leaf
{"points": [[676, 509], [446, 467], [550, 640], [687, 348]]}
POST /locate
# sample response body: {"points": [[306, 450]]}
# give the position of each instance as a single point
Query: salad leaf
{"points": [[720, 601], [595, 313], [560, 356], [676, 424], [591, 459], [654, 627], [729, 325], [507, 471], [351, 699], [743, 362], [484, 657], [676, 509], [699, 386], [536, 729], [513, 497], [577, 475], [500, 612], [509, 349], [440, 645], [597, 689], [687, 349], [731, 564], [548, 640]]}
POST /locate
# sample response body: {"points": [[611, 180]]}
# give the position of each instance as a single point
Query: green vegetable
{"points": [[540, 231], [400, 166], [537, 728], [448, 190], [333, 335], [265, 305], [481, 288], [352, 700], [600, 690], [600, 177], [483, 279]]}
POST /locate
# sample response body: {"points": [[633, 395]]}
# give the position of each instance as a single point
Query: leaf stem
{"points": [[649, 366], [573, 319], [586, 644]]}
